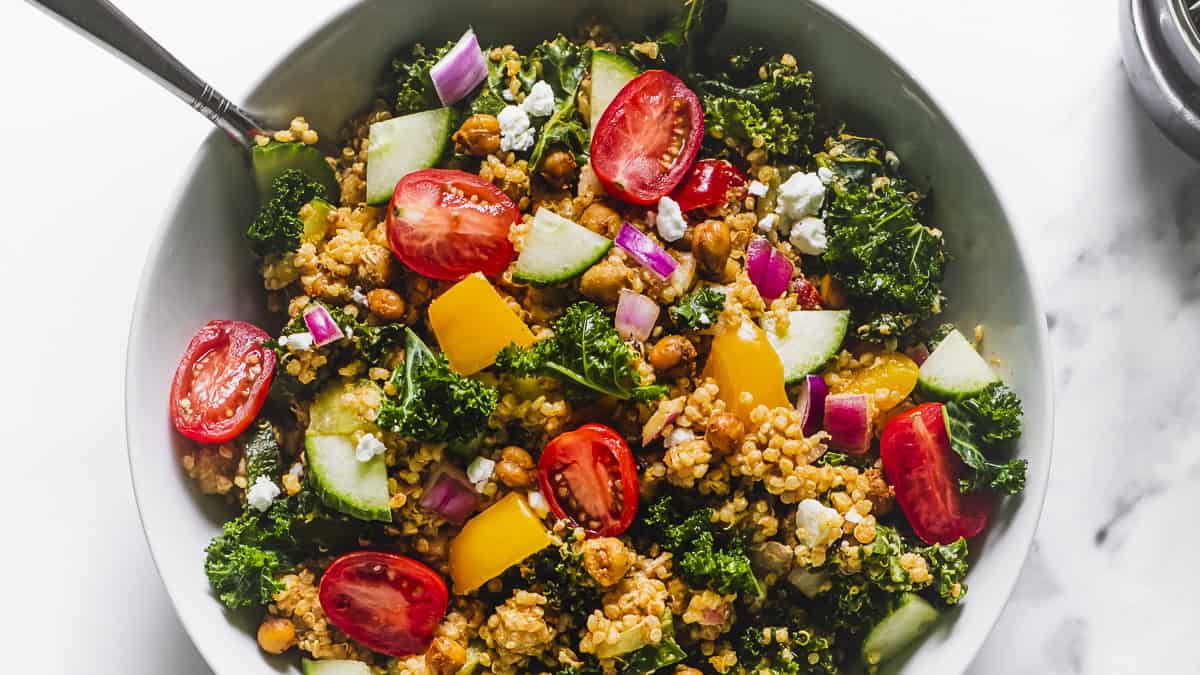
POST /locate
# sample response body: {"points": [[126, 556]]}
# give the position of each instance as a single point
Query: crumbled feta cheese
{"points": [[808, 236], [801, 195], [757, 188], [297, 342], [670, 221], [262, 493], [540, 101], [747, 331], [825, 174], [515, 133], [507, 95], [678, 435], [811, 584], [538, 503], [368, 447], [767, 223], [480, 470], [358, 296], [817, 524], [853, 516]]}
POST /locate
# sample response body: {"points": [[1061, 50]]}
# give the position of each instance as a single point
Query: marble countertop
{"points": [[1110, 209]]}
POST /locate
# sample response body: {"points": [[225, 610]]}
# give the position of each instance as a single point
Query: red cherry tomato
{"points": [[708, 183], [647, 137], [221, 381], [919, 463], [446, 224], [589, 477], [807, 296], [388, 602]]}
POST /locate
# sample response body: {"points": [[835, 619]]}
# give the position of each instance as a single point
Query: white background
{"points": [[93, 153]]}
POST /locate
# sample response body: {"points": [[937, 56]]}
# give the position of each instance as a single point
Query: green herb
{"points": [[587, 353], [699, 309], [433, 402], [703, 556], [683, 45], [414, 90], [832, 458], [262, 452], [241, 562], [651, 658], [563, 65], [277, 226], [980, 422], [565, 583], [948, 565]]}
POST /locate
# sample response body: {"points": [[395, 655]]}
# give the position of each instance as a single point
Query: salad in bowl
{"points": [[609, 355]]}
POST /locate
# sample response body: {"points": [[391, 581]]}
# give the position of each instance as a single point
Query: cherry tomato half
{"points": [[919, 462], [647, 137], [446, 224], [386, 601], [708, 183], [589, 477], [221, 381]]}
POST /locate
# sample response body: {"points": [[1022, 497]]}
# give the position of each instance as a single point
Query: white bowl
{"points": [[200, 268]]}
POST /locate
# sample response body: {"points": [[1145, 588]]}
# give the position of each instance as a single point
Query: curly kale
{"points": [[277, 226], [587, 353], [433, 403], [979, 423], [703, 557], [563, 65], [566, 584], [699, 309], [948, 566], [242, 561], [760, 102], [806, 650], [414, 90], [683, 44], [857, 159]]}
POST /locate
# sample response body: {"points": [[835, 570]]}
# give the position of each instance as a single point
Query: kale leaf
{"points": [[414, 90], [978, 423], [262, 452], [948, 566], [587, 353], [682, 46], [277, 226], [759, 102], [563, 65], [242, 561], [703, 556], [652, 658], [699, 309], [434, 403], [566, 584]]}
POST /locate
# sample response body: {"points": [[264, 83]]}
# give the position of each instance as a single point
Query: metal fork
{"points": [[108, 26]]}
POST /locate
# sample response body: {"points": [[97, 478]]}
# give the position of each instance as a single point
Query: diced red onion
{"points": [[322, 326], [811, 403], [647, 253], [449, 494], [769, 269], [918, 353], [848, 422], [636, 315], [461, 70], [667, 412]]}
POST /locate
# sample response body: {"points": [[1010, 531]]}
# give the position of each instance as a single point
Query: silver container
{"points": [[1161, 46]]}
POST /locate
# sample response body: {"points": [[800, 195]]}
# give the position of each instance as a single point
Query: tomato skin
{"points": [[588, 460], [437, 230], [708, 184], [388, 602], [919, 462], [225, 367], [654, 116]]}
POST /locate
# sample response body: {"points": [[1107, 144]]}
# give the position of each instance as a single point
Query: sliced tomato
{"points": [[385, 601], [709, 183], [221, 381], [446, 224], [647, 137], [589, 477], [919, 462]]}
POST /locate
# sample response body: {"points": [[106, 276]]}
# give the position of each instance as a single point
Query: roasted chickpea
{"points": [[514, 467], [558, 168], [601, 219], [603, 281], [479, 135], [386, 304], [671, 351], [445, 656], [687, 670], [276, 634], [711, 245], [725, 431], [606, 559]]}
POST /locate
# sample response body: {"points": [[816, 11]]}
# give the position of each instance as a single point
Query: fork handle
{"points": [[109, 27]]}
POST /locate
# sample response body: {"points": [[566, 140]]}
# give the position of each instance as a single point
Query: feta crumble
{"points": [[678, 435], [368, 447], [515, 133], [297, 342], [540, 101], [537, 502], [757, 188], [808, 236], [358, 296], [825, 174], [817, 524], [262, 493], [480, 470], [768, 222], [801, 195], [670, 221]]}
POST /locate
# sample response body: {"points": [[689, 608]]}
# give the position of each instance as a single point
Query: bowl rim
{"points": [[1038, 480]]}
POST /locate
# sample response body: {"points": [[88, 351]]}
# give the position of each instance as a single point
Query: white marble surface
{"points": [[1111, 210]]}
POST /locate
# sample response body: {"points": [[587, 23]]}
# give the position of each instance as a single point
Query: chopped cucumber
{"points": [[316, 221], [355, 488], [262, 452], [954, 370], [610, 73], [557, 249], [272, 159], [909, 621], [812, 337], [334, 667], [401, 145], [329, 415]]}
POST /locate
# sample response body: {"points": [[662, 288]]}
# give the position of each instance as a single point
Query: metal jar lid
{"points": [[1161, 45]]}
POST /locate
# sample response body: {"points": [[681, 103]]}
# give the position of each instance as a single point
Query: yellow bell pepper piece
{"points": [[889, 380], [473, 323], [503, 535], [743, 361]]}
